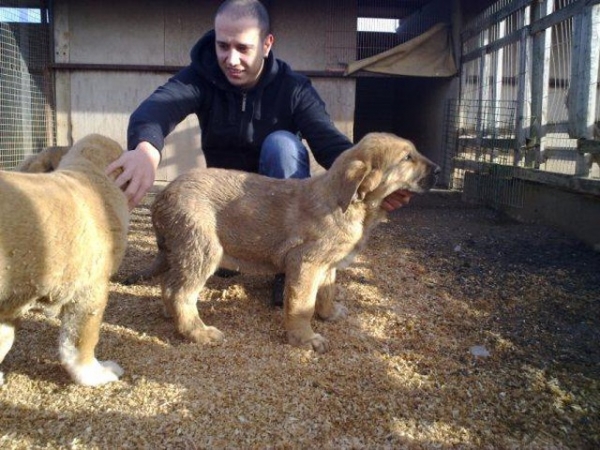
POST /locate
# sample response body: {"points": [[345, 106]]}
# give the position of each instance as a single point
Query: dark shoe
{"points": [[226, 273], [278, 285]]}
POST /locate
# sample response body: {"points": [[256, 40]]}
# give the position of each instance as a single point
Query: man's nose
{"points": [[233, 58]]}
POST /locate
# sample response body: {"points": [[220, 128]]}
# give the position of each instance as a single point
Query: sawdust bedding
{"points": [[465, 331]]}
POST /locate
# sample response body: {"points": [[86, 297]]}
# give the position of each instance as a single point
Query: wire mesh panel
{"points": [[489, 117], [484, 150], [26, 88]]}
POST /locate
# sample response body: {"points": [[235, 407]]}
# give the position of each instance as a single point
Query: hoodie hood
{"points": [[204, 61]]}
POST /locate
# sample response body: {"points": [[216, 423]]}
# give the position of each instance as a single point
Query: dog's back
{"points": [[48, 237], [252, 219]]}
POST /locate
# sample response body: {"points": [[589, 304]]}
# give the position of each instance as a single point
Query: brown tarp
{"points": [[428, 55]]}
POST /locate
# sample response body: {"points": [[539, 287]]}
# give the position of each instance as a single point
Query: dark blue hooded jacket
{"points": [[234, 122]]}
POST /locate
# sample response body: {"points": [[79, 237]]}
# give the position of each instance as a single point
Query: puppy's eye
{"points": [[408, 157]]}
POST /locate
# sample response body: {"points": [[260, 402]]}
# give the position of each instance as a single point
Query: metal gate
{"points": [[529, 105]]}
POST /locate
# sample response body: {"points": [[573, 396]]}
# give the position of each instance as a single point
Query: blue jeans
{"points": [[283, 155]]}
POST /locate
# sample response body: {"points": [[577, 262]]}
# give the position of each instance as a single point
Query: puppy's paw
{"points": [[96, 373], [316, 341], [339, 312], [319, 343], [113, 366], [206, 335]]}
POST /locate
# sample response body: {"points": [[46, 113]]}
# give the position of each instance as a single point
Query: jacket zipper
{"points": [[243, 124]]}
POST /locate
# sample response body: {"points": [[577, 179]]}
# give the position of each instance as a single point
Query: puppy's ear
{"points": [[100, 151], [349, 183], [56, 155], [371, 182]]}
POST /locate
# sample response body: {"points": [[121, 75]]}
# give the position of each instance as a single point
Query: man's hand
{"points": [[396, 200], [139, 171]]}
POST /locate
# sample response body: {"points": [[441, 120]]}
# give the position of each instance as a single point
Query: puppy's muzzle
{"points": [[431, 178]]}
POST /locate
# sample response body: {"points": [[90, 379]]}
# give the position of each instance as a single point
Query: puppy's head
{"points": [[380, 164], [45, 161], [94, 149]]}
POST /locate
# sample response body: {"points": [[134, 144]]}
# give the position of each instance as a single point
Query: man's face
{"points": [[240, 49]]}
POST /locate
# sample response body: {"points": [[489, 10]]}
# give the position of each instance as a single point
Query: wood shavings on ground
{"points": [[437, 280]]}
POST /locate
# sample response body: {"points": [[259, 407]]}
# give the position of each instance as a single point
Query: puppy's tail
{"points": [[158, 266]]}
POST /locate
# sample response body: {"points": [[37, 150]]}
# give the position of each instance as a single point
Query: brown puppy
{"points": [[62, 235], [45, 161], [307, 229]]}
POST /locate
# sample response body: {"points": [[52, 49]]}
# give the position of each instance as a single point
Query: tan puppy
{"points": [[210, 218], [62, 235], [45, 161]]}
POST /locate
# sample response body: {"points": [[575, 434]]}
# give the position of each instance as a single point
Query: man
{"points": [[252, 109]]}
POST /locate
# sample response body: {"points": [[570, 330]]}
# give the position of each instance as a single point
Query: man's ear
{"points": [[267, 45], [349, 183]]}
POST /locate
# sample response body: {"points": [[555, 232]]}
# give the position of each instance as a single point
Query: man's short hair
{"points": [[239, 9]]}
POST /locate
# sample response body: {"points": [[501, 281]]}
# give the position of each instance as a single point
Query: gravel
{"points": [[465, 330]]}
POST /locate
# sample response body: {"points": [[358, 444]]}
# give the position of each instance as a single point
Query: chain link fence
{"points": [[26, 91]]}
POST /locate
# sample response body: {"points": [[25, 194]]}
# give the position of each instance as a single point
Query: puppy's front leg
{"points": [[300, 294], [326, 308]]}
